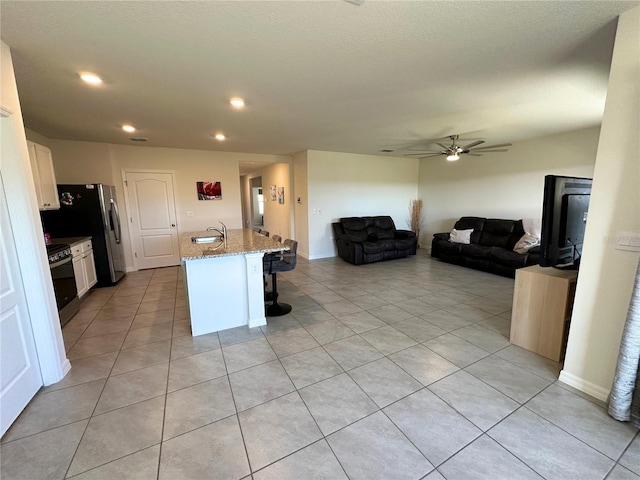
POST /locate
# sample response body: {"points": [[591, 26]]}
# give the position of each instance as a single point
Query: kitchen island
{"points": [[223, 280]]}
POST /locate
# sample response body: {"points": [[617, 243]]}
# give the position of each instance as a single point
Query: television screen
{"points": [[564, 219]]}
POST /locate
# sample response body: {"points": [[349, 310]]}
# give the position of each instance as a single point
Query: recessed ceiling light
{"points": [[220, 136], [90, 78], [237, 102], [129, 128]]}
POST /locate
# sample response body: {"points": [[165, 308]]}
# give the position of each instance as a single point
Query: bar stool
{"points": [[264, 232], [277, 238], [276, 263]]}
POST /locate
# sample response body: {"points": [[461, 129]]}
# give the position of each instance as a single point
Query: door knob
{"points": [[173, 225]]}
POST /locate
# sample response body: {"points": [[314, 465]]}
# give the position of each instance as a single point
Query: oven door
{"points": [[64, 282]]}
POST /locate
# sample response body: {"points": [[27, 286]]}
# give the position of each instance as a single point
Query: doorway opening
{"points": [[257, 202]]}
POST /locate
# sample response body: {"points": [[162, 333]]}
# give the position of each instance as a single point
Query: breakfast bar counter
{"points": [[223, 279]]}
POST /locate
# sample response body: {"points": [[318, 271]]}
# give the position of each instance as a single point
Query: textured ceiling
{"points": [[326, 75]]}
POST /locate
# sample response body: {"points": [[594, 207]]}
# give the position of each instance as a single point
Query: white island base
{"points": [[224, 284], [224, 292]]}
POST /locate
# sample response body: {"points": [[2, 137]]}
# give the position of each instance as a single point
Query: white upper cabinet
{"points": [[44, 177]]}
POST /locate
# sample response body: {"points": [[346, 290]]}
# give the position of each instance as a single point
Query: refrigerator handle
{"points": [[116, 223]]}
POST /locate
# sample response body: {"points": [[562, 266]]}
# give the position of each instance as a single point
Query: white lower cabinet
{"points": [[84, 267]]}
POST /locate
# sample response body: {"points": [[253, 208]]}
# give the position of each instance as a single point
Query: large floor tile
{"points": [[486, 459], [45, 455], [384, 381], [621, 473], [310, 366], [513, 381], [315, 461], [248, 354], [144, 335], [107, 327], [188, 371], [631, 458], [213, 451], [337, 402], [54, 409], [352, 352], [329, 331], [543, 367], [455, 349], [374, 448], [84, 370], [276, 429], [133, 387], [140, 357], [119, 433], [187, 345], [309, 316], [584, 420], [96, 345], [483, 405], [361, 322], [432, 425], [292, 341], [549, 450], [418, 329], [388, 340], [196, 406], [142, 465], [259, 384], [423, 364], [482, 337]]}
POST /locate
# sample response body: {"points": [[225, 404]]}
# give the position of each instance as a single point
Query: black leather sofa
{"points": [[491, 247], [372, 239]]}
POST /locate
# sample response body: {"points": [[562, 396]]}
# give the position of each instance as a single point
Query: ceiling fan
{"points": [[454, 151]]}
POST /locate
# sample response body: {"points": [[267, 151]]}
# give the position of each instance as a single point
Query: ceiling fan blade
{"points": [[432, 155], [444, 146], [490, 151], [494, 146], [474, 154], [473, 144]]}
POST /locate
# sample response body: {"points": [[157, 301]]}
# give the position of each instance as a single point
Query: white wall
{"points": [[501, 185], [606, 276], [92, 162], [345, 185]]}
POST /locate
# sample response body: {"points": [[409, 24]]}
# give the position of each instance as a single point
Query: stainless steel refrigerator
{"points": [[91, 210]]}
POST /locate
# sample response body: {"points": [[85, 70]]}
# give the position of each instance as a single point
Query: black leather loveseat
{"points": [[372, 239], [490, 249]]}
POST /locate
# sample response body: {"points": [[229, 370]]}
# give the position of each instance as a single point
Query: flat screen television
{"points": [[564, 219]]}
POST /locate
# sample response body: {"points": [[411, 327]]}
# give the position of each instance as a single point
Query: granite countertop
{"points": [[69, 240], [239, 241]]}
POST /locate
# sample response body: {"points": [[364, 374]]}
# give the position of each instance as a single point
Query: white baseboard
{"points": [[585, 386]]}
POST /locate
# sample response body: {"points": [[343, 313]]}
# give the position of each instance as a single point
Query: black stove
{"points": [[57, 252]]}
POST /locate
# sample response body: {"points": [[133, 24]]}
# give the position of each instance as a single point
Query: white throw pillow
{"points": [[526, 243], [461, 236]]}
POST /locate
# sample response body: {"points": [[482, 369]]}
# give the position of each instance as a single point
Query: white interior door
{"points": [[152, 219], [20, 376]]}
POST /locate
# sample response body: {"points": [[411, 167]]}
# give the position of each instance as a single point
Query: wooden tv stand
{"points": [[542, 305]]}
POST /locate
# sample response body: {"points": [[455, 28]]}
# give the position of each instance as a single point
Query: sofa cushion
{"points": [[508, 258], [465, 223], [355, 228], [449, 248], [496, 233], [373, 247], [385, 228], [476, 251], [405, 243]]}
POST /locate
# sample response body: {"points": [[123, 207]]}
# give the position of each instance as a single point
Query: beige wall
{"points": [[345, 185], [301, 209], [606, 276], [276, 215], [501, 185], [92, 162]]}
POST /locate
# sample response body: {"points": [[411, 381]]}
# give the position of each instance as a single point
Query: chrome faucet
{"points": [[223, 233]]}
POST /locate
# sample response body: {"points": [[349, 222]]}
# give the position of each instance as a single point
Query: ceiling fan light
{"points": [[453, 157]]}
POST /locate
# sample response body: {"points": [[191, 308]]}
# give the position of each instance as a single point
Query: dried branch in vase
{"points": [[415, 208]]}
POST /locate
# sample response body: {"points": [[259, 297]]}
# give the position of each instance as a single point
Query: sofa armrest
{"points": [[441, 236], [346, 238], [402, 234]]}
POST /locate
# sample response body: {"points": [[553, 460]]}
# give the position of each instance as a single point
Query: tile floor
{"points": [[394, 370]]}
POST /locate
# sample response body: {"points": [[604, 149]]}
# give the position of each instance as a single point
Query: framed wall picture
{"points": [[209, 190], [272, 191], [281, 195]]}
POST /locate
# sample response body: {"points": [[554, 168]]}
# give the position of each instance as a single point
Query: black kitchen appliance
{"points": [[91, 210], [64, 282]]}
